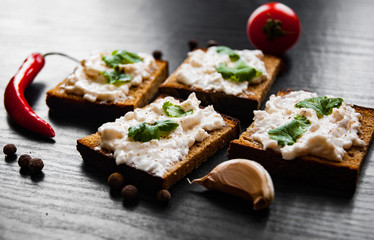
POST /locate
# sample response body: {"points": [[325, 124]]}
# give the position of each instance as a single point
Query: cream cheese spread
{"points": [[327, 137], [156, 156], [200, 70], [87, 81]]}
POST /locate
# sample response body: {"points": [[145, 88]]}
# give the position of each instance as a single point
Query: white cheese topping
{"points": [[327, 137], [200, 71], [87, 81], [157, 156]]}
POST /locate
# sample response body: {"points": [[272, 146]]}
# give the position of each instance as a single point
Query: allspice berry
{"points": [[116, 181], [36, 165], [10, 149], [129, 193], [212, 43], [192, 43], [163, 196], [24, 160], [157, 54]]}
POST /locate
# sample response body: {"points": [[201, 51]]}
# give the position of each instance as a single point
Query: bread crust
{"points": [[338, 175], [198, 153], [74, 105], [238, 106]]}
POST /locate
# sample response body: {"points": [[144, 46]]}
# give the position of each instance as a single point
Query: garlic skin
{"points": [[244, 178]]}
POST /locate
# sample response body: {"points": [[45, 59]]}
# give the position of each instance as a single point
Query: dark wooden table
{"points": [[334, 55]]}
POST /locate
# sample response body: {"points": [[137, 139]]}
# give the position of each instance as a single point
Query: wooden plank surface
{"points": [[334, 55]]}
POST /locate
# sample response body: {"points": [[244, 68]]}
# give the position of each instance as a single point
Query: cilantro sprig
{"points": [[145, 132], [116, 77], [173, 110], [121, 57], [322, 105], [288, 134], [226, 50], [239, 73]]}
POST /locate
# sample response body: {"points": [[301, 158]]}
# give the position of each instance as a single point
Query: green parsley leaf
{"points": [[145, 132], [121, 57], [226, 50], [173, 110], [167, 125], [322, 105], [288, 134], [116, 77], [240, 73]]}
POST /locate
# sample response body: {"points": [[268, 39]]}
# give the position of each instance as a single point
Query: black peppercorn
{"points": [[129, 193], [163, 196], [192, 43], [116, 181], [10, 149], [24, 160], [212, 43], [157, 54], [36, 165]]}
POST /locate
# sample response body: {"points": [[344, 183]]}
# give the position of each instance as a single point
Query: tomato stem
{"points": [[273, 28]]}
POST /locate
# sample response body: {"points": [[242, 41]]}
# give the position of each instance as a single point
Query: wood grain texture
{"points": [[334, 55]]}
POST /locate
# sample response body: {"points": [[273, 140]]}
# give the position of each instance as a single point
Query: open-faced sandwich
{"points": [[107, 85], [159, 144], [300, 135], [234, 82]]}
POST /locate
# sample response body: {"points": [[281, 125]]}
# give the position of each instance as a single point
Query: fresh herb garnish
{"points": [[116, 77], [173, 110], [288, 134], [145, 132], [121, 57], [226, 50], [322, 105], [166, 126], [240, 73]]}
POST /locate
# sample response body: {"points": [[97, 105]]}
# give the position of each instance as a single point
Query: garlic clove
{"points": [[244, 178]]}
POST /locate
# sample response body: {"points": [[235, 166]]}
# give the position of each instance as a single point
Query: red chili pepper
{"points": [[14, 99]]}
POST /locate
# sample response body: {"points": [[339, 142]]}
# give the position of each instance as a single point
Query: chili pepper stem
{"points": [[61, 54]]}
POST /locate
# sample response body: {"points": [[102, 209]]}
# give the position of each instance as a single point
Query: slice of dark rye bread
{"points": [[239, 106], [338, 175], [103, 160], [74, 105]]}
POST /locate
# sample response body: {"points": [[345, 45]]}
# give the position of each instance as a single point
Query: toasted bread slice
{"points": [[339, 175], [68, 104], [238, 106], [198, 153]]}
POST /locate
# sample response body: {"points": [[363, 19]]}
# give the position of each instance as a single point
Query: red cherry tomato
{"points": [[273, 28]]}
